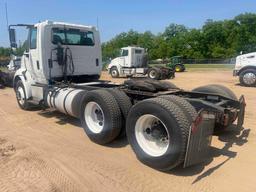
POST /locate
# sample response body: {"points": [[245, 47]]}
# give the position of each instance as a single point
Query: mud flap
{"points": [[200, 137], [240, 117]]}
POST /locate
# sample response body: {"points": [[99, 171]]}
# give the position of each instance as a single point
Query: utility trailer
{"points": [[165, 125], [133, 61]]}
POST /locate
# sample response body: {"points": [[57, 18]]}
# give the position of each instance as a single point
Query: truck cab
{"points": [[57, 51], [131, 60], [245, 68], [129, 57]]}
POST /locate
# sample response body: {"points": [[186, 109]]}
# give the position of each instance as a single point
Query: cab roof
{"points": [[47, 22]]}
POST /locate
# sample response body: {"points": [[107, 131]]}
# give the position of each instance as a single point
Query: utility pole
{"points": [[98, 23], [6, 15]]}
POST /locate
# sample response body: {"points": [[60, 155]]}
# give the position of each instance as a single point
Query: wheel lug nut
{"points": [[148, 130]]}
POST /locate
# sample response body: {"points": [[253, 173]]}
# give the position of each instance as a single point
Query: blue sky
{"points": [[117, 16]]}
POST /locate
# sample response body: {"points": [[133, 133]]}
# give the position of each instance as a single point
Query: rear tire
{"points": [[216, 89], [124, 104], [154, 73], [157, 131], [248, 77], [220, 90], [187, 108], [169, 85], [100, 116]]}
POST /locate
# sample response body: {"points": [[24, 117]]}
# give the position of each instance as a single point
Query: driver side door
{"points": [[31, 54]]}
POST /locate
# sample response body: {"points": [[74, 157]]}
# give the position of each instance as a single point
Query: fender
{"points": [[26, 80], [246, 67]]}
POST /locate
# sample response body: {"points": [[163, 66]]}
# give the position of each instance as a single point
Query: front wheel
{"points": [[114, 72], [248, 77], [179, 68], [21, 96]]}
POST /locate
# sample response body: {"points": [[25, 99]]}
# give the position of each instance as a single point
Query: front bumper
{"points": [[235, 72]]}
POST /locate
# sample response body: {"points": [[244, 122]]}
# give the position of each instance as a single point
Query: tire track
{"points": [[25, 170]]}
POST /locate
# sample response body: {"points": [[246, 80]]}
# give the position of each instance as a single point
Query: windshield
{"points": [[72, 37]]}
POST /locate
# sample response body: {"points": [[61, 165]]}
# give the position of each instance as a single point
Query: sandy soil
{"points": [[47, 151]]}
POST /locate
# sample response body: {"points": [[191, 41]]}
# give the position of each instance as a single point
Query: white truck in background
{"points": [[134, 61], [245, 68]]}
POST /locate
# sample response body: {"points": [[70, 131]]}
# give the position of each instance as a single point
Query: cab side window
{"points": [[33, 38], [125, 52]]}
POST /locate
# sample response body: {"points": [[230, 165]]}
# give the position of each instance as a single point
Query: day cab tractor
{"points": [[245, 68], [133, 61], [166, 126], [176, 64]]}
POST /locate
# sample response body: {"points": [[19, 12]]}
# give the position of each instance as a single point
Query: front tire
{"points": [[114, 72], [179, 68], [248, 77], [157, 131], [21, 96]]}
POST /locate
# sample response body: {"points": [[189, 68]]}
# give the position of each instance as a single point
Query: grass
{"points": [[205, 67], [209, 67], [3, 68], [226, 66]]}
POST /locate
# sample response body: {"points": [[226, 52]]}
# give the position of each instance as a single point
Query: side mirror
{"points": [[12, 37]]}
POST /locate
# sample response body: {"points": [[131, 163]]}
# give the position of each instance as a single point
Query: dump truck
{"points": [[133, 61], [166, 126]]}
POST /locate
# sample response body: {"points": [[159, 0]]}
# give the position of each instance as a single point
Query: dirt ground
{"points": [[47, 151]]}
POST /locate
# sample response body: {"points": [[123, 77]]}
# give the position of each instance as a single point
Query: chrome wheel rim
{"points": [[94, 117], [249, 78], [114, 73], [152, 74], [20, 95], [152, 135]]}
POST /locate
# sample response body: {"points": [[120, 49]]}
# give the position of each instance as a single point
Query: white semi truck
{"points": [[245, 68], [134, 61], [165, 126]]}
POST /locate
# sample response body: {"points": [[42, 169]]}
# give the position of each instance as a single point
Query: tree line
{"points": [[6, 52], [215, 39]]}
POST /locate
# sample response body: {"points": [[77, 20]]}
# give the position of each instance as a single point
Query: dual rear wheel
{"points": [[103, 114], [157, 129]]}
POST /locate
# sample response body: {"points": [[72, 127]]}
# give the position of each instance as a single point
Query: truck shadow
{"points": [[230, 137], [240, 85], [63, 119]]}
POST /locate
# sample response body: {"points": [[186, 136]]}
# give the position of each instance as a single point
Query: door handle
{"points": [[26, 54]]}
